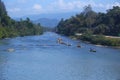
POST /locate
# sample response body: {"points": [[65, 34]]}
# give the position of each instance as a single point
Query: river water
{"points": [[41, 58]]}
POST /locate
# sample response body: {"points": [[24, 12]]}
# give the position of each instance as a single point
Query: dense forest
{"points": [[90, 23], [12, 28]]}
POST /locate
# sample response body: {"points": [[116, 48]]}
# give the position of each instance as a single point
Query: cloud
{"points": [[37, 7], [109, 6], [116, 4], [27, 7], [64, 5], [22, 1], [14, 10]]}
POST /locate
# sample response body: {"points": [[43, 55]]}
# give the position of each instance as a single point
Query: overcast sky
{"points": [[17, 8]]}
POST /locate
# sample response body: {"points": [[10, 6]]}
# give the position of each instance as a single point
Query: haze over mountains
{"points": [[54, 9], [52, 15], [48, 20]]}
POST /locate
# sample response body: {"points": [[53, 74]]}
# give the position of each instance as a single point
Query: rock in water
{"points": [[10, 50], [79, 46]]}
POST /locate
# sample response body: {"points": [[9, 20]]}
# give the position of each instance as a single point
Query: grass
{"points": [[100, 40]]}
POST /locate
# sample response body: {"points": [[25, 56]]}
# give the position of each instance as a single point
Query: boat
{"points": [[78, 45], [69, 44], [59, 40], [92, 50]]}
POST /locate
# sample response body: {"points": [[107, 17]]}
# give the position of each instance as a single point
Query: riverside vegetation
{"points": [[89, 23], [12, 28]]}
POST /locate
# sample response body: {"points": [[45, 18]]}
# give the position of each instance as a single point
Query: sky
{"points": [[18, 8]]}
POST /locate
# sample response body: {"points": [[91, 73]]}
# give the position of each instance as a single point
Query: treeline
{"points": [[89, 21], [100, 40], [12, 28]]}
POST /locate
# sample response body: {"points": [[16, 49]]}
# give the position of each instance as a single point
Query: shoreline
{"points": [[99, 45], [88, 42]]}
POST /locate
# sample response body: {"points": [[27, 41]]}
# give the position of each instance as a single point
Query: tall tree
{"points": [[11, 28], [2, 9], [90, 21]]}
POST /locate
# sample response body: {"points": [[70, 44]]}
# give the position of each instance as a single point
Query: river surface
{"points": [[41, 58]]}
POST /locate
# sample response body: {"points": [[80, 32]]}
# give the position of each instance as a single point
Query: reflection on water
{"points": [[41, 58]]}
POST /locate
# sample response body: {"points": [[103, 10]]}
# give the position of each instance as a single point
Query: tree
{"points": [[87, 9], [2, 9], [90, 16], [99, 23], [12, 28], [101, 29]]}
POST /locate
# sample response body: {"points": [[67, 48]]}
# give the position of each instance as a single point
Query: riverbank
{"points": [[99, 40], [28, 58]]}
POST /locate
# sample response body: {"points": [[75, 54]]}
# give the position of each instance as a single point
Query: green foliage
{"points": [[88, 20], [2, 9], [3, 32], [91, 24], [101, 29], [100, 40], [12, 28]]}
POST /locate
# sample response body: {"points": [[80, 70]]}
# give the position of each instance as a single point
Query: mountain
{"points": [[46, 22], [49, 19], [57, 16]]}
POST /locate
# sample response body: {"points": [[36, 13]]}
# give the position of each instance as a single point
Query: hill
{"points": [[12, 28], [57, 16], [93, 26], [90, 21], [46, 22]]}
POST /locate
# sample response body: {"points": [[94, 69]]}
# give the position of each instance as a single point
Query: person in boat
{"points": [[59, 40], [69, 44], [92, 50], [78, 45]]}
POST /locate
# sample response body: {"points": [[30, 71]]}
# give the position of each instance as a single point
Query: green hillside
{"points": [[12, 28], [90, 23]]}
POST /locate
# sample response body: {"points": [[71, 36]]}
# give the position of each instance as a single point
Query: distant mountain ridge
{"points": [[49, 19], [57, 16], [46, 22]]}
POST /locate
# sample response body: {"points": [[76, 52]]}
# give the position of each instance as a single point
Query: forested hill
{"points": [[12, 28], [89, 21]]}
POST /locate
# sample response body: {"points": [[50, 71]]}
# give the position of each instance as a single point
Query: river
{"points": [[41, 58]]}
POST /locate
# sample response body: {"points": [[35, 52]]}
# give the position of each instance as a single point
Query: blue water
{"points": [[41, 58]]}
